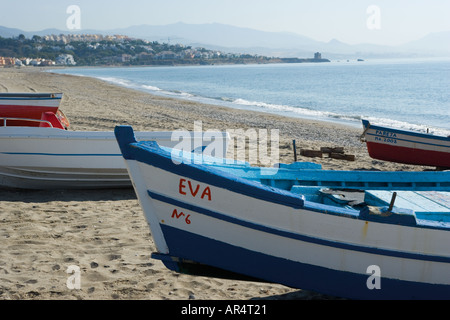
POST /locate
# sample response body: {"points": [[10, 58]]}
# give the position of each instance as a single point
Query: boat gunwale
{"points": [[162, 159], [367, 125], [30, 96], [57, 133]]}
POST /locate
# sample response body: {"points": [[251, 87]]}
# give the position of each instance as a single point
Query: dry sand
{"points": [[103, 232]]}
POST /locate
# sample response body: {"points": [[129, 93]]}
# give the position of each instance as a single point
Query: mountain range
{"points": [[245, 40]]}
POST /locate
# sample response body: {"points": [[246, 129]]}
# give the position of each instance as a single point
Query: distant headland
{"points": [[317, 58], [120, 50]]}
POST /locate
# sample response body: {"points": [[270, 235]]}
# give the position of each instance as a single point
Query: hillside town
{"points": [[61, 60], [95, 49]]}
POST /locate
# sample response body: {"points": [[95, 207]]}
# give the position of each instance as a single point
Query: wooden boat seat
{"points": [[429, 205]]}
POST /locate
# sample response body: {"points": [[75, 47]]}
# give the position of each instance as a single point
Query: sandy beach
{"points": [[103, 232]]}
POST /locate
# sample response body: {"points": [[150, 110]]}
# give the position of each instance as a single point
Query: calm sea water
{"points": [[407, 94]]}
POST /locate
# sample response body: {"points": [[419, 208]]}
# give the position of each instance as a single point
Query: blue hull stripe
{"points": [[295, 236], [406, 140], [214, 253]]}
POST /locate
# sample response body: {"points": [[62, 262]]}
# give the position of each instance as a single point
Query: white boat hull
{"points": [[201, 216], [288, 245], [48, 158]]}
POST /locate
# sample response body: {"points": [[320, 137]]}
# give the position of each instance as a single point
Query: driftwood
{"points": [[311, 153], [334, 153], [332, 150], [341, 156]]}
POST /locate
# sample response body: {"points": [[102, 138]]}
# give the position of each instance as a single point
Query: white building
{"points": [[66, 60]]}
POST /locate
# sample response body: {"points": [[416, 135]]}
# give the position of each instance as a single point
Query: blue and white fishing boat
{"points": [[402, 146], [209, 218]]}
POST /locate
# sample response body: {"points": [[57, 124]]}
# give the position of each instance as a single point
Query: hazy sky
{"points": [[392, 22]]}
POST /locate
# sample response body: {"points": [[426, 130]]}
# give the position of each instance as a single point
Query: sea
{"points": [[411, 94]]}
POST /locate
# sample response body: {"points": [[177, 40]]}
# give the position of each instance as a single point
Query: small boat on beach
{"points": [[38, 152], [215, 217], [384, 143], [28, 106]]}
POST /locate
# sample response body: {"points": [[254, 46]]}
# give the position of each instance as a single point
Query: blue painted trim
{"points": [[406, 140], [150, 153], [404, 132], [189, 246], [295, 236], [347, 179]]}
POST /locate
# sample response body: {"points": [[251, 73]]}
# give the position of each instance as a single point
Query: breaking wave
{"points": [[348, 119]]}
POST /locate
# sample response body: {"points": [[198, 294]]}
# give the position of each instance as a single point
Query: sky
{"points": [[387, 22]]}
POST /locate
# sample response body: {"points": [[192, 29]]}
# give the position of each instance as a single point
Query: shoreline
{"points": [[290, 110], [209, 101], [104, 232]]}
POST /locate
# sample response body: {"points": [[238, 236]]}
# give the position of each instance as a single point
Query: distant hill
{"points": [[438, 41], [230, 36], [280, 44], [6, 32], [10, 32]]}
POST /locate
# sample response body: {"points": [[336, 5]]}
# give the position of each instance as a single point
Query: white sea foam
{"points": [[151, 88], [118, 81], [284, 108], [292, 110], [145, 87], [408, 126], [355, 119]]}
